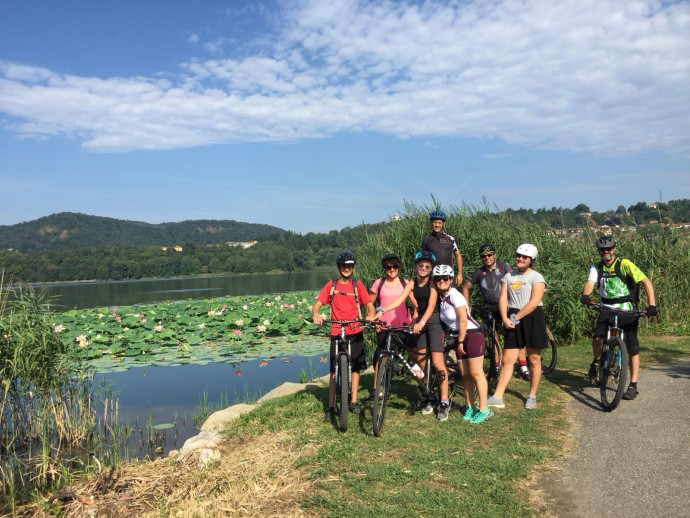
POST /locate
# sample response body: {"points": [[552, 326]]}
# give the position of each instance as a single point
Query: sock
{"points": [[444, 401], [523, 363], [633, 384]]}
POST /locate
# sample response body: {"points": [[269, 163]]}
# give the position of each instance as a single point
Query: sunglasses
{"points": [[391, 267], [520, 256], [424, 266], [606, 249], [445, 279], [484, 256]]}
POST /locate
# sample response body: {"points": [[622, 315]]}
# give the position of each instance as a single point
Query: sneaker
{"points": [[468, 412], [428, 408], [631, 393], [524, 373], [329, 415], [443, 412], [494, 401], [531, 402], [593, 368], [480, 416], [355, 408]]}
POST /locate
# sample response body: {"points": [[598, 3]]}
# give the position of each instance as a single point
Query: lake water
{"points": [[173, 394]]}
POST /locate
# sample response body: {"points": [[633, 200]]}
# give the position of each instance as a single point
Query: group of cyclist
{"points": [[437, 308]]}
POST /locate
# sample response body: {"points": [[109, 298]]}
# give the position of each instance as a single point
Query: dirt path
{"points": [[634, 461]]}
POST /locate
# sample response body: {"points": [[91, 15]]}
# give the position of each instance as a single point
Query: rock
{"points": [[217, 420], [206, 439], [207, 456]]}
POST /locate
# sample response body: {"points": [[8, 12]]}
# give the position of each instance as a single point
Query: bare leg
{"points": [[510, 356], [475, 367], [534, 356], [355, 385]]}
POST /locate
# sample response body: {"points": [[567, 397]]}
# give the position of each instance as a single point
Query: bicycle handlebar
{"points": [[617, 311]]}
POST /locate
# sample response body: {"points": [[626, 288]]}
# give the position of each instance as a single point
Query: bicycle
{"points": [[391, 360], [343, 364], [612, 372]]}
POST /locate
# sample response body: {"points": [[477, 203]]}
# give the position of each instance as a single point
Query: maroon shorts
{"points": [[474, 345]]}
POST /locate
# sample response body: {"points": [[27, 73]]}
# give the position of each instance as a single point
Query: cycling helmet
{"points": [[442, 270], [425, 255], [487, 248], [528, 250], [606, 242], [345, 258], [390, 258], [438, 214]]}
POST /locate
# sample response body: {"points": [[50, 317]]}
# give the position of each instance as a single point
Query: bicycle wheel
{"points": [[382, 390], [492, 358], [454, 376], [343, 390], [549, 355], [613, 373]]}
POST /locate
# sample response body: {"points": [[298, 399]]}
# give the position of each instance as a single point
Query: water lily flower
{"points": [[202, 325], [263, 363], [118, 318], [58, 329], [101, 315], [244, 307], [266, 322], [238, 332], [238, 373], [239, 322], [158, 328], [323, 359], [299, 315], [82, 340], [261, 329], [268, 304], [277, 298]]}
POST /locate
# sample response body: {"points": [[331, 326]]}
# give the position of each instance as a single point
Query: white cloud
{"points": [[591, 75]]}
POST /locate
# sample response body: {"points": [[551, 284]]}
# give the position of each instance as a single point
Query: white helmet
{"points": [[528, 250], [442, 270]]}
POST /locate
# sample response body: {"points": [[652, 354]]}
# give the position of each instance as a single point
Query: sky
{"points": [[316, 115]]}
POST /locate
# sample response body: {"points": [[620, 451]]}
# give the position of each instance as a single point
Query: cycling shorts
{"points": [[473, 346], [431, 336]]}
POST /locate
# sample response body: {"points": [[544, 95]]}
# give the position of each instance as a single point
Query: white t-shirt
{"points": [[449, 304]]}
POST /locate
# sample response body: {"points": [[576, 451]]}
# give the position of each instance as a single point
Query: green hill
{"points": [[70, 230]]}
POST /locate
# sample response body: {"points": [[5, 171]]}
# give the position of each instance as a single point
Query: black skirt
{"points": [[530, 332]]}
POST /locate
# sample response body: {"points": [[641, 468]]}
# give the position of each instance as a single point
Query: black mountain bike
{"points": [[343, 370], [392, 361], [612, 374]]}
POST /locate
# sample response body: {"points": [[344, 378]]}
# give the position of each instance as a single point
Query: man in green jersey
{"points": [[617, 280]]}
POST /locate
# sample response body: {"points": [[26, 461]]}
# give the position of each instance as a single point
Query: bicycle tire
{"points": [[454, 377], [343, 391], [492, 349], [382, 390], [613, 373], [549, 355]]}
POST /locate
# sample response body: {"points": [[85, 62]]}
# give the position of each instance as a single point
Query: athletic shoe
{"points": [[531, 402], [329, 415], [631, 393], [480, 416], [494, 401], [443, 412], [428, 408], [468, 412], [593, 368], [524, 373], [355, 408]]}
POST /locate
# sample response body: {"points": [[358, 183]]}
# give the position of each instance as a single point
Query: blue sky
{"points": [[314, 115]]}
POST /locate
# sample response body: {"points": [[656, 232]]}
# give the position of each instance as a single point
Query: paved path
{"points": [[634, 461]]}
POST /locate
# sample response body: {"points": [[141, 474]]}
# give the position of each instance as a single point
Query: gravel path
{"points": [[634, 461]]}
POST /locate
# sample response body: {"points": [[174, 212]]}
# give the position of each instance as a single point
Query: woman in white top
{"points": [[525, 324], [469, 344]]}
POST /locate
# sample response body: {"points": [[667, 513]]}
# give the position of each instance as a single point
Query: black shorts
{"points": [[627, 323], [359, 361], [530, 332], [431, 336]]}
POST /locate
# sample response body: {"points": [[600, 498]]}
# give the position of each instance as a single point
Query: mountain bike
{"points": [[391, 361], [612, 372], [343, 371]]}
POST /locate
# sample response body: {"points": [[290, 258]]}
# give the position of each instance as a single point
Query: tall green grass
{"points": [[662, 253]]}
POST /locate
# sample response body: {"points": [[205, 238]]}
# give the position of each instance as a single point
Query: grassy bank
{"points": [[282, 460]]}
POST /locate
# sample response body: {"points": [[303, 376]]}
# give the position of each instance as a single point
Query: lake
{"points": [[172, 394]]}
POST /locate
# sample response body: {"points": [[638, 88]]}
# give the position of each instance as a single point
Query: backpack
{"points": [[633, 295], [334, 284]]}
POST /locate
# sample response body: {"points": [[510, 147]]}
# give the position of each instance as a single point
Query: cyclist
{"points": [[385, 290], [524, 321], [488, 277], [427, 328], [442, 245], [617, 280], [469, 343], [345, 296]]}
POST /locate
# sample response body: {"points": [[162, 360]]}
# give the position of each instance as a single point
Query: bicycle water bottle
{"points": [[417, 371]]}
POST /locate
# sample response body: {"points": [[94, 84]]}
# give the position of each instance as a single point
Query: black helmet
{"points": [[425, 255], [606, 242], [487, 248], [438, 214], [345, 258], [390, 258]]}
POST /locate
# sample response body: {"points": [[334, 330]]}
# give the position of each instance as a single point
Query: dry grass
{"points": [[254, 477]]}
